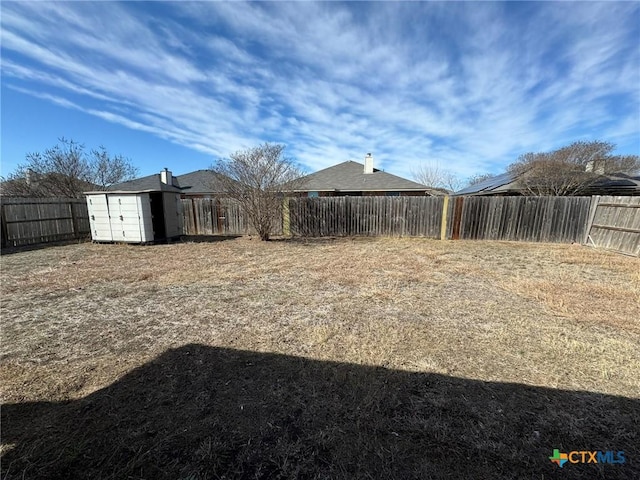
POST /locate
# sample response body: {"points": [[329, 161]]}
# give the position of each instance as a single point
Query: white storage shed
{"points": [[135, 216]]}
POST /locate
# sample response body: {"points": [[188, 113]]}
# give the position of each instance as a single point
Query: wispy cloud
{"points": [[470, 87]]}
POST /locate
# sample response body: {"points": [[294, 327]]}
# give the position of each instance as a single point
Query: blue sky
{"points": [[467, 86]]}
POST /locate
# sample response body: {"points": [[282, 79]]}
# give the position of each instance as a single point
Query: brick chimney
{"points": [[165, 177], [595, 166], [368, 163], [30, 177]]}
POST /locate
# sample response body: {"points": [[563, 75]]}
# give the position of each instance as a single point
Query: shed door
{"points": [[99, 218], [157, 216], [172, 214], [125, 219]]}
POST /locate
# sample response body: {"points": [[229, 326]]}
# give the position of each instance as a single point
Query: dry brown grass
{"points": [[76, 319]]}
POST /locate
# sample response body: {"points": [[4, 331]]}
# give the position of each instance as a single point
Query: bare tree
{"points": [[258, 178], [107, 170], [569, 170], [66, 170], [433, 175]]}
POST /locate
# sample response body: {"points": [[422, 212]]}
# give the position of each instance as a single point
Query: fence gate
{"points": [[614, 224]]}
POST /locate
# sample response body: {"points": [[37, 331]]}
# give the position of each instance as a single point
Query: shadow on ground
{"points": [[8, 250], [207, 238], [201, 412]]}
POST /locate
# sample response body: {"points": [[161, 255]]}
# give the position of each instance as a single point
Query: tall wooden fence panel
{"points": [[529, 219], [216, 216], [366, 216], [615, 224], [28, 221], [611, 222]]}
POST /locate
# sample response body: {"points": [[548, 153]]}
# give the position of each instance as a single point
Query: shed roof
{"points": [[349, 176]]}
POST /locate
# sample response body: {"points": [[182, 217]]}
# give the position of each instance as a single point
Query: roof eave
{"points": [[123, 192], [391, 189]]}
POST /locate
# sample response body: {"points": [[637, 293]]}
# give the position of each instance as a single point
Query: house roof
{"points": [[148, 183], [613, 184], [495, 184], [198, 182], [349, 176]]}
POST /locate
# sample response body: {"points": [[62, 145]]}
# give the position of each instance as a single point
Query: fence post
{"points": [[443, 222], [286, 219], [457, 218]]}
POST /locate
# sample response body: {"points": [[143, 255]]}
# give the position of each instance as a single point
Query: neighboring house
{"points": [[617, 184], [201, 183], [355, 179], [507, 184], [345, 179]]}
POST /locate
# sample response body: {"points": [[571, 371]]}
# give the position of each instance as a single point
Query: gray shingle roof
{"points": [[198, 182], [350, 177], [150, 182]]}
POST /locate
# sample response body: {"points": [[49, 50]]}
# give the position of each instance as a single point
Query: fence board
{"points": [[532, 219], [216, 216], [366, 216], [536, 219], [28, 221]]}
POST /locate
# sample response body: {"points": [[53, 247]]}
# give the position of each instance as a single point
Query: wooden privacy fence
{"points": [[216, 216], [531, 219], [528, 219], [607, 222], [345, 216], [27, 221], [614, 224]]}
